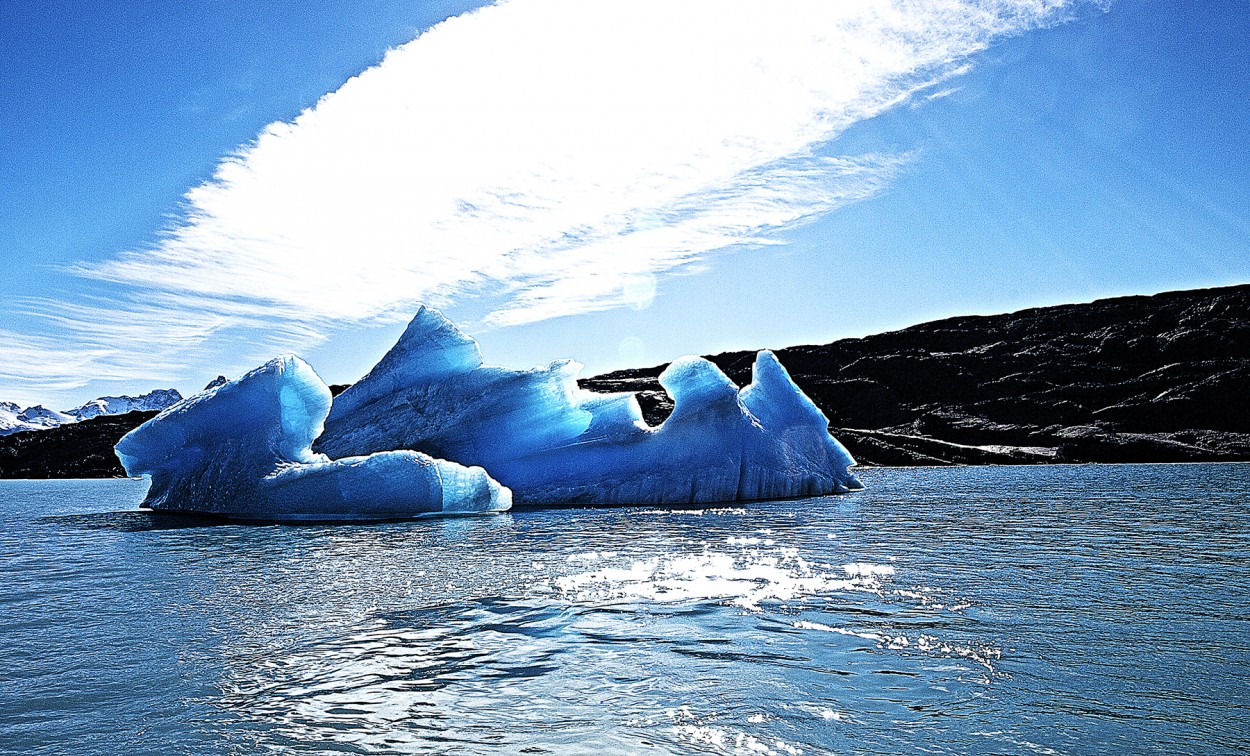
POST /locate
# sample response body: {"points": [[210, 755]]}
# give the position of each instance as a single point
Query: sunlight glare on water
{"points": [[1015, 610]]}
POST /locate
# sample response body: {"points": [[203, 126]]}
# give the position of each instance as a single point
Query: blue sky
{"points": [[619, 184]]}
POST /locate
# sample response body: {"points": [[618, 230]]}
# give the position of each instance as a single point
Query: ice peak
{"points": [[431, 347], [696, 384], [443, 346], [774, 397], [432, 429], [14, 419]]}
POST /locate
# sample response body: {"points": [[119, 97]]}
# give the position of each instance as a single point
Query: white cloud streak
{"points": [[540, 153]]}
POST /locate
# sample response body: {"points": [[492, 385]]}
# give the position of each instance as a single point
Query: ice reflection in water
{"points": [[1022, 614]]}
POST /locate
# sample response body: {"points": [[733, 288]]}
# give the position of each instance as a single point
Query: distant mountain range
{"points": [[1161, 378], [13, 419]]}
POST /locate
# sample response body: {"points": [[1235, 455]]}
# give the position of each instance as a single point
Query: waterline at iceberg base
{"points": [[432, 429]]}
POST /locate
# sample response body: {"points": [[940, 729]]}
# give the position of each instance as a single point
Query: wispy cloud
{"points": [[542, 153], [36, 366]]}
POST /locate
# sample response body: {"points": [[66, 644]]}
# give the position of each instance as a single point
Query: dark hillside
{"points": [[1130, 379], [80, 450]]}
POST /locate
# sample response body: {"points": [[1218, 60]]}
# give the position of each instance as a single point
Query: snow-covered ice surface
{"points": [[553, 443], [242, 450]]}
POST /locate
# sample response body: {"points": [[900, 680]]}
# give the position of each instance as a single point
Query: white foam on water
{"points": [[1029, 745], [722, 739], [985, 656], [688, 512], [863, 569], [806, 625], [929, 597], [709, 736]]}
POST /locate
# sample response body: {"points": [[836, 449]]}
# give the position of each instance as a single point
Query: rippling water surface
{"points": [[975, 610]]}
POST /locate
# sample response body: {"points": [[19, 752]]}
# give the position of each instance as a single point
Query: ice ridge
{"points": [[553, 443]]}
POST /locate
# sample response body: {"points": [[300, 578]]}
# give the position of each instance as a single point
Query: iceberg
{"points": [[555, 444], [242, 449]]}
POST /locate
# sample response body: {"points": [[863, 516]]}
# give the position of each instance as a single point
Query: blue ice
{"points": [[243, 450], [553, 443]]}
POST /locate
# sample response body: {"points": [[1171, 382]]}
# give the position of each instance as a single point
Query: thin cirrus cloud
{"points": [[541, 154]]}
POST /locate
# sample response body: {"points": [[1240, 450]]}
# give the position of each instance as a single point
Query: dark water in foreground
{"points": [[978, 610]]}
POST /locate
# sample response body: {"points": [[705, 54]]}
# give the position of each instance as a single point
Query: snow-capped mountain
{"points": [[8, 419], [44, 417], [14, 419], [118, 405]]}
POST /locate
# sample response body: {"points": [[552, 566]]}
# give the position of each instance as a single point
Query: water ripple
{"points": [[1021, 610]]}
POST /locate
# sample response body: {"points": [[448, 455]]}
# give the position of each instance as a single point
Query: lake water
{"points": [[1067, 609]]}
